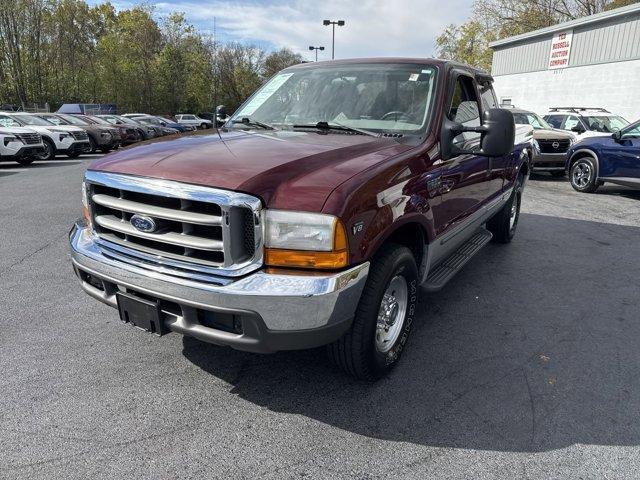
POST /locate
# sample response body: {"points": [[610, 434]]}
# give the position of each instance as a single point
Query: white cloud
{"points": [[373, 27]]}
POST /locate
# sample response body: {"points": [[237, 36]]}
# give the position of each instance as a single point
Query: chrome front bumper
{"points": [[278, 311]]}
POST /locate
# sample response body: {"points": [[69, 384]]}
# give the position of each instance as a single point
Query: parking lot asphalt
{"points": [[527, 364]]}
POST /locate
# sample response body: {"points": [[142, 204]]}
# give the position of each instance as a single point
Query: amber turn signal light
{"points": [[86, 215]]}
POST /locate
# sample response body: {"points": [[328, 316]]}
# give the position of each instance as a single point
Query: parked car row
{"points": [[25, 137], [592, 145]]}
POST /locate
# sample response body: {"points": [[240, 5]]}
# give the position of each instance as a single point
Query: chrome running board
{"points": [[441, 274]]}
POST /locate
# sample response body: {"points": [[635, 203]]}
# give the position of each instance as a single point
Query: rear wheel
{"points": [[503, 224], [583, 175], [204, 126], [384, 316]]}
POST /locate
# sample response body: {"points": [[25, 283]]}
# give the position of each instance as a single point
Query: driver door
{"points": [[621, 158], [465, 179]]}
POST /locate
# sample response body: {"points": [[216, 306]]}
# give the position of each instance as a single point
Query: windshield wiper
{"points": [[253, 123], [336, 126]]}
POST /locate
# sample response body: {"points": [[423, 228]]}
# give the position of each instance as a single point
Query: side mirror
{"points": [[578, 129], [497, 135], [221, 111], [617, 135]]}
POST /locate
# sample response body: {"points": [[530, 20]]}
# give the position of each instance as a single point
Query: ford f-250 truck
{"points": [[315, 216]]}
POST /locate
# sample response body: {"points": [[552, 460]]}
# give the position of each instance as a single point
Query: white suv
{"points": [[585, 122], [63, 139], [194, 120], [21, 145]]}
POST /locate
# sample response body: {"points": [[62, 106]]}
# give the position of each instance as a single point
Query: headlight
{"points": [[572, 140], [63, 134], [8, 140], [302, 239], [105, 133]]}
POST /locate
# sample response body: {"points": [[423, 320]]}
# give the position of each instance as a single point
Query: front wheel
{"points": [[384, 316], [503, 224], [49, 151], [583, 176]]}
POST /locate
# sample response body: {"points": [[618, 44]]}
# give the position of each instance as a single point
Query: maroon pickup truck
{"points": [[313, 217]]}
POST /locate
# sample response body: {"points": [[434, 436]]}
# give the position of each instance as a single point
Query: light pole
{"points": [[316, 49], [340, 23]]}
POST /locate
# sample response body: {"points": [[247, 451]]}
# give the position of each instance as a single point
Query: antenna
{"points": [[215, 78]]}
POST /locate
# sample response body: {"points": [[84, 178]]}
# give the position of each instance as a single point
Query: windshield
{"points": [[531, 119], [98, 120], [54, 119], [381, 98], [74, 120], [8, 122], [148, 120], [127, 120], [606, 124], [32, 120]]}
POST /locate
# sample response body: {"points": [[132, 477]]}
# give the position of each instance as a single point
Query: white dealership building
{"points": [[590, 62]]}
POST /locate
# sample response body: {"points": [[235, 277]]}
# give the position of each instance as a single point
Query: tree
{"points": [[240, 72], [467, 43], [279, 60]]}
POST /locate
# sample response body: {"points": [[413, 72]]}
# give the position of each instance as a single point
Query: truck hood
{"points": [[287, 169]]}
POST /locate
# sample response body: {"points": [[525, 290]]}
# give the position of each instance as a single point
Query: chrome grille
{"points": [[30, 138], [81, 135], [197, 228]]}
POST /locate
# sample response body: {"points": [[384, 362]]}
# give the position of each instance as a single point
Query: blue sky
{"points": [[373, 27]]}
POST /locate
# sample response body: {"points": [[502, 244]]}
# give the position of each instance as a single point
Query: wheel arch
{"points": [[581, 153], [409, 233]]}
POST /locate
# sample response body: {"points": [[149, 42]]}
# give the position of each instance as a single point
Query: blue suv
{"points": [[612, 159]]}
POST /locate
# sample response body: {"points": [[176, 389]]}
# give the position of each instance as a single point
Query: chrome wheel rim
{"points": [[581, 175], [391, 315]]}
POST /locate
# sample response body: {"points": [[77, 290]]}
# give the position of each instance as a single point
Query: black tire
{"points": [[93, 146], [25, 161], [357, 352], [582, 175], [503, 224], [557, 173], [49, 150], [204, 126]]}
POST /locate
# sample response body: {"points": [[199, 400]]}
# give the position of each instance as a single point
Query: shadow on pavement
{"points": [[526, 350]]}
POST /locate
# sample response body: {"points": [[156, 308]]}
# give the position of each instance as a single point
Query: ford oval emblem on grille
{"points": [[143, 223], [555, 145]]}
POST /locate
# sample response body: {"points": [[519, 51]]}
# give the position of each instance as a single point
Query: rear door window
{"points": [[570, 122]]}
